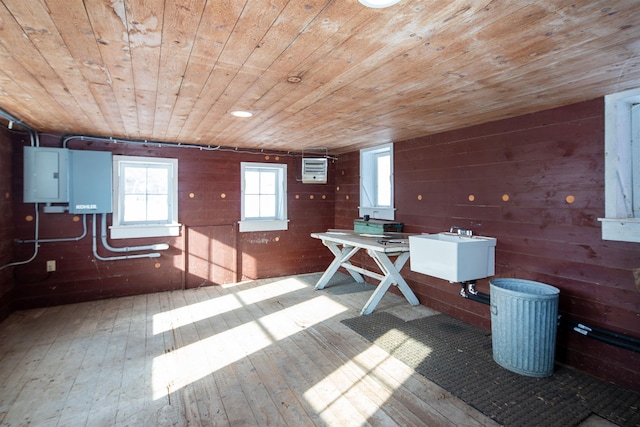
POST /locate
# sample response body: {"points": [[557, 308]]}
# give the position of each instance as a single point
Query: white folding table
{"points": [[345, 244]]}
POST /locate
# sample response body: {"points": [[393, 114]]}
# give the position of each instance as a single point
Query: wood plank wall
{"points": [[519, 173], [210, 250], [6, 223]]}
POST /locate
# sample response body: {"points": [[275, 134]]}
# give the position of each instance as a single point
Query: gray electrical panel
{"points": [[90, 182], [45, 175]]}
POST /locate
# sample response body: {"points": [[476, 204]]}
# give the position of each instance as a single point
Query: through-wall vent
{"points": [[314, 170]]}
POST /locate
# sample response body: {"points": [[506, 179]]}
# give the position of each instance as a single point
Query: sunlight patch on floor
{"points": [[181, 316], [178, 368], [348, 381]]}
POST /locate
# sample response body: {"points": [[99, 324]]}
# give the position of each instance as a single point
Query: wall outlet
{"points": [[51, 266]]}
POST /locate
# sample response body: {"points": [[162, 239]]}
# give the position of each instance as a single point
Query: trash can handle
{"points": [[494, 309]]}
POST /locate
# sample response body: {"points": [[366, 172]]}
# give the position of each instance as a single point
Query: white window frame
{"points": [[622, 167], [281, 221], [119, 229], [368, 183]]}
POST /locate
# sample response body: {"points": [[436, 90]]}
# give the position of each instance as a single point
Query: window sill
{"points": [[621, 229], [271, 225], [140, 231]]}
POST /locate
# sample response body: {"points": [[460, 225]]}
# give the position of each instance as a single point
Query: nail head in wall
{"points": [[570, 199], [471, 197], [277, 239], [277, 158], [28, 218], [223, 195], [7, 195], [267, 157], [419, 196], [76, 218], [346, 197], [324, 196], [192, 195], [338, 188], [505, 197], [157, 265], [311, 196], [342, 172], [297, 196]]}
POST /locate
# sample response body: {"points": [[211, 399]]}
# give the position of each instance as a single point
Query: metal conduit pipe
{"points": [[62, 239], [36, 244], [67, 138], [114, 258], [610, 337], [103, 236], [596, 330]]}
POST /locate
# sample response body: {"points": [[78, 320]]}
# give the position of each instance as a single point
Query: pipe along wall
{"points": [[600, 334]]}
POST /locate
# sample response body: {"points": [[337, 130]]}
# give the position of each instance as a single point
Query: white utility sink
{"points": [[452, 257]]}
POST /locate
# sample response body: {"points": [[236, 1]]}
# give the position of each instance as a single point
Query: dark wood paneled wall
{"points": [[513, 180], [6, 223], [209, 250]]}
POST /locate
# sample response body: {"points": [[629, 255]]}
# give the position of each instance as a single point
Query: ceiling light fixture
{"points": [[378, 4], [240, 113]]}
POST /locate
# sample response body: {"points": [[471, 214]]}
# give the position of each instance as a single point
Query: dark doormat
{"points": [[458, 357]]}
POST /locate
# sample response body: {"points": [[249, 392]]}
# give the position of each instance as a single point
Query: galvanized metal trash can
{"points": [[524, 317]]}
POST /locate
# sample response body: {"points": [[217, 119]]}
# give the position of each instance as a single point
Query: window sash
{"points": [[264, 197], [376, 182], [145, 197], [146, 194]]}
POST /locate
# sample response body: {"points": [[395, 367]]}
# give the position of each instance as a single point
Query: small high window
{"points": [[145, 197], [264, 197], [622, 167], [376, 182]]}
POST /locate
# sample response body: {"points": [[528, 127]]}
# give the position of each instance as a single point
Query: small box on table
{"points": [[376, 226]]}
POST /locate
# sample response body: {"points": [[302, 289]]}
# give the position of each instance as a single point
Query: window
{"points": [[622, 167], [145, 197], [376, 182], [264, 197]]}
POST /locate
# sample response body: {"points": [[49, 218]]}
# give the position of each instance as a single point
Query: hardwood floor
{"points": [[263, 353]]}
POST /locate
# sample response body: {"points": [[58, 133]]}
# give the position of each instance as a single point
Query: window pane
{"points": [[252, 182], [251, 206], [157, 208], [268, 206], [383, 167], [135, 208], [268, 182], [135, 180], [157, 181]]}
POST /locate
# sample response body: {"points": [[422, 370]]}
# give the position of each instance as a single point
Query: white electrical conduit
{"points": [[36, 246], [103, 235], [62, 239], [115, 258]]}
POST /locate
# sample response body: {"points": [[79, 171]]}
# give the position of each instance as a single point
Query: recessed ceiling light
{"points": [[378, 4], [240, 113]]}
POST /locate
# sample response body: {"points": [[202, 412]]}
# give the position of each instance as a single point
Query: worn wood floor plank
{"points": [[268, 352]]}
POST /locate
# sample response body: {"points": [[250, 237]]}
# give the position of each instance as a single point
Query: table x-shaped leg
{"points": [[341, 257], [392, 276]]}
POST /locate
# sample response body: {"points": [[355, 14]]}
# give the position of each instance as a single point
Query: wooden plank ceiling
{"points": [[173, 70]]}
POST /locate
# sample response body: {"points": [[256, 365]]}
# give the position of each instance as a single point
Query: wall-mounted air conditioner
{"points": [[314, 170]]}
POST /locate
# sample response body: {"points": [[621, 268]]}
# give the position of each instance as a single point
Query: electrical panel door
{"points": [[45, 175], [90, 182]]}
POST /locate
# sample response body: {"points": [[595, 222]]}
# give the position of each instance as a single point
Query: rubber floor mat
{"points": [[458, 357]]}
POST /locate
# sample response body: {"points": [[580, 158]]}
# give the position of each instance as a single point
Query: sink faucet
{"points": [[460, 231]]}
